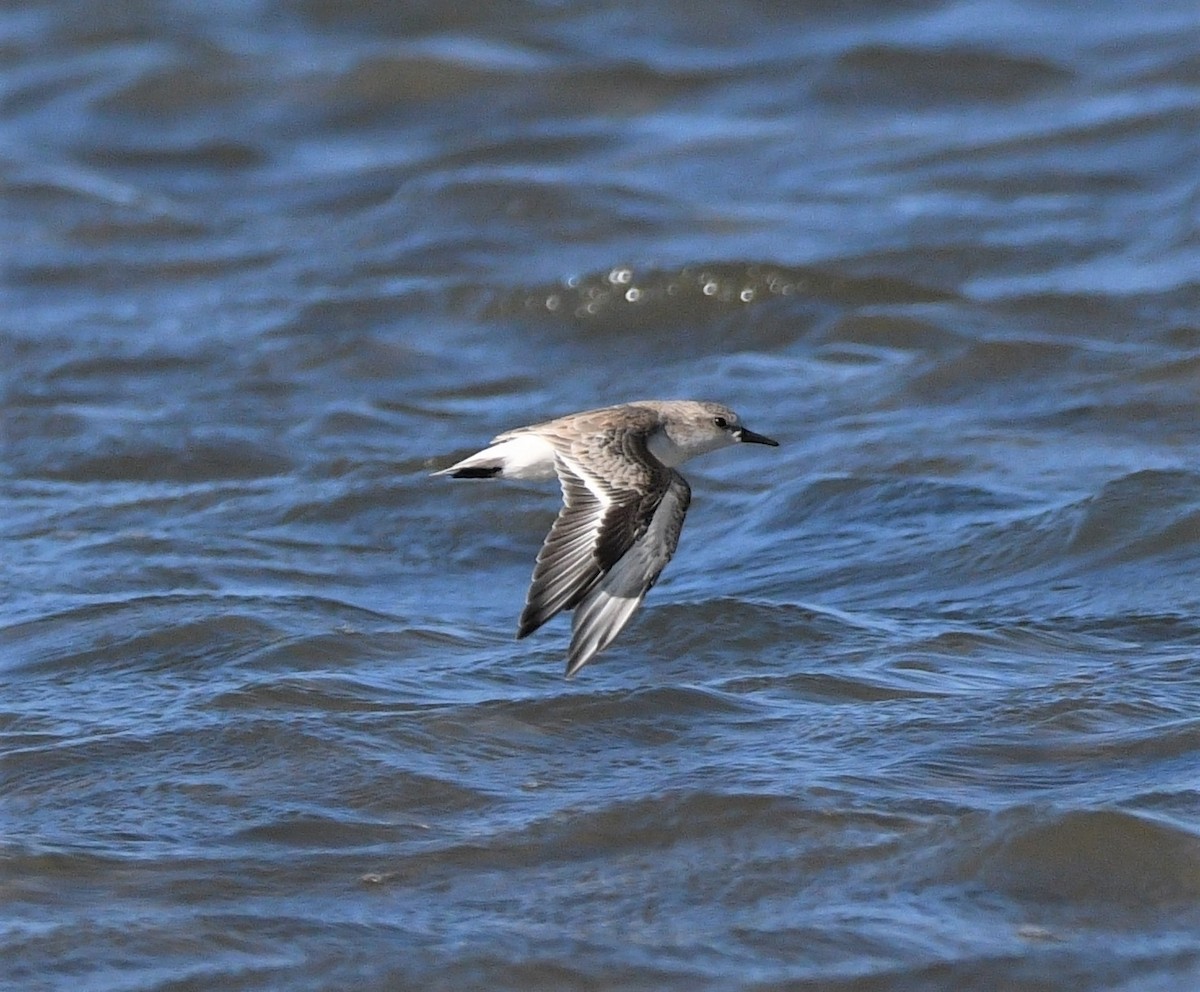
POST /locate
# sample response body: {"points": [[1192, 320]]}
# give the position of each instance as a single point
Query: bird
{"points": [[623, 505]]}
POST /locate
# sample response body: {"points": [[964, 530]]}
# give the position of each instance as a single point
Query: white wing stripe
{"points": [[567, 563], [608, 606]]}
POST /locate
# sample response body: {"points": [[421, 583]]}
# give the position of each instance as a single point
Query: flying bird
{"points": [[623, 505]]}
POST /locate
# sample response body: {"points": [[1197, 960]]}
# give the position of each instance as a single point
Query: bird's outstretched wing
{"points": [[613, 493], [607, 605]]}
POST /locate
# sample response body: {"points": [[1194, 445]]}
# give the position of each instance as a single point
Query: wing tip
{"points": [[576, 663], [530, 621]]}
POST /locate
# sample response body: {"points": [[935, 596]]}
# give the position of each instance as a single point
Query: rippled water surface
{"points": [[916, 705]]}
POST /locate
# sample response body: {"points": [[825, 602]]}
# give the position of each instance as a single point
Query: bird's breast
{"points": [[666, 450]]}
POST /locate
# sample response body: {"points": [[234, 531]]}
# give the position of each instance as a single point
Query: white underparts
{"points": [[525, 456]]}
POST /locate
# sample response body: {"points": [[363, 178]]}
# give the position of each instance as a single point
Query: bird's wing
{"points": [[607, 605], [603, 515]]}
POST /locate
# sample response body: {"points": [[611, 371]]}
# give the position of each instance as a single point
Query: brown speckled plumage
{"points": [[623, 506]]}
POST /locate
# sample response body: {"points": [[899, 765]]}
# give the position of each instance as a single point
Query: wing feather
{"points": [[602, 516], [608, 604], [565, 564]]}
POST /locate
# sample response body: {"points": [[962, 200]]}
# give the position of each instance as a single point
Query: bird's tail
{"points": [[464, 471], [521, 457]]}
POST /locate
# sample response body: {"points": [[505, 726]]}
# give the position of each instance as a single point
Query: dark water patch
{"points": [[126, 635], [487, 399], [1162, 317], [141, 518], [832, 690], [105, 272], [646, 717], [945, 264], [190, 460], [226, 787], [1161, 422], [1032, 753], [639, 706], [338, 321], [1052, 187], [166, 632], [560, 146], [1150, 627], [1101, 857], [151, 362], [640, 826], [495, 222], [1185, 370], [361, 425], [1156, 734], [134, 385], [382, 87], [1147, 519], [384, 20], [82, 211], [954, 653], [883, 501], [201, 79], [1143, 516], [923, 77], [743, 645], [331, 655], [186, 952], [355, 190], [203, 156], [325, 833], [900, 332], [580, 836], [336, 501], [521, 78], [990, 365]]}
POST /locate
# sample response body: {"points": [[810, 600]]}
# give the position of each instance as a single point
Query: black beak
{"points": [[749, 437]]}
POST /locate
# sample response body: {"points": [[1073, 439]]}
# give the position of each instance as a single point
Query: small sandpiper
{"points": [[623, 505]]}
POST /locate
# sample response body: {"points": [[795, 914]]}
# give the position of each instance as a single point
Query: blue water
{"points": [[915, 706]]}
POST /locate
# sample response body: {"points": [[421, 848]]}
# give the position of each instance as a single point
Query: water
{"points": [[916, 705]]}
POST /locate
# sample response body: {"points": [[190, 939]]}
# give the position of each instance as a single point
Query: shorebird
{"points": [[623, 505]]}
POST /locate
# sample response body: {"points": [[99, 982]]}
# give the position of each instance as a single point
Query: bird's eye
{"points": [[721, 422]]}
